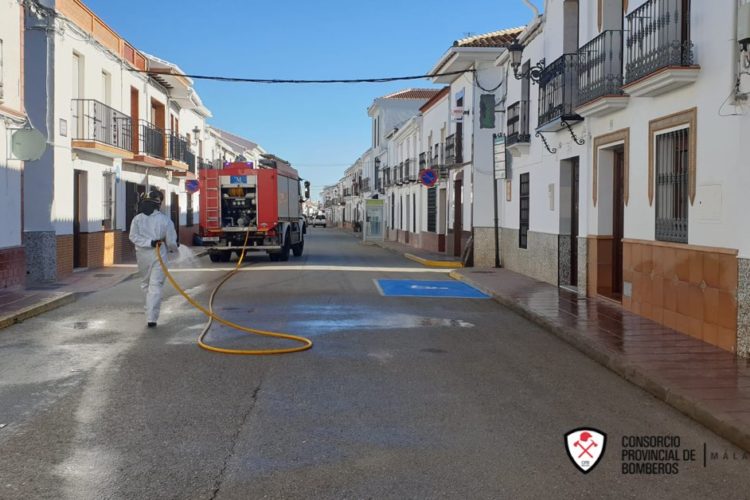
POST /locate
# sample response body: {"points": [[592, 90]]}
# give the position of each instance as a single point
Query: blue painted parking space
{"points": [[418, 288]]}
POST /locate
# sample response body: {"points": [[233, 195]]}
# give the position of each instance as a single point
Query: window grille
{"points": [[523, 199], [672, 167], [432, 210]]}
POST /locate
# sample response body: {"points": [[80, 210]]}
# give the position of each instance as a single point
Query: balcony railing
{"points": [[179, 150], [450, 149], [95, 121], [600, 66], [366, 184], [422, 161], [152, 140], [558, 90], [518, 123], [658, 37], [408, 165], [204, 163]]}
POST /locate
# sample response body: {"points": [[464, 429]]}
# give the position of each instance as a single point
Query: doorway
{"points": [[79, 216], [618, 219], [174, 212], [568, 238], [457, 216]]}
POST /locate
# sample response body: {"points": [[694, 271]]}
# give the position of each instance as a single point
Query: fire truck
{"points": [[263, 204]]}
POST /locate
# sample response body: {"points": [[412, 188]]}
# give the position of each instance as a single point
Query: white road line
{"points": [[362, 269]]}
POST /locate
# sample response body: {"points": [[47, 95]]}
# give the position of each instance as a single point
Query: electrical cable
{"points": [[233, 79], [307, 343]]}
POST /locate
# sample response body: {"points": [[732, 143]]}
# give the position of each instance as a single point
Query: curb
{"points": [[449, 264], [721, 426], [37, 309]]}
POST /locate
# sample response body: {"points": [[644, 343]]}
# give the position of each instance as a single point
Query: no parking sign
{"points": [[428, 177], [192, 186]]}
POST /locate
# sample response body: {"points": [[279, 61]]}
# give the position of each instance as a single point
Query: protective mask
{"points": [[147, 207]]}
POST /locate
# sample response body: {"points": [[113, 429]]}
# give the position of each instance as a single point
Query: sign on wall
{"points": [[499, 156]]}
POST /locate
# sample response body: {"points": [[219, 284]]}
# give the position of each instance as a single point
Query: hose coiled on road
{"points": [[306, 343]]}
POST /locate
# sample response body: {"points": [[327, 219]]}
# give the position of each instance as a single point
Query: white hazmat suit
{"points": [[143, 230]]}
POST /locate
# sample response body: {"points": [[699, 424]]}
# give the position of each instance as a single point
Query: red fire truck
{"points": [[265, 202]]}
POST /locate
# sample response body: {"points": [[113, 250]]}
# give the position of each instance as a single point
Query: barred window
{"points": [[523, 199], [432, 209], [672, 167]]}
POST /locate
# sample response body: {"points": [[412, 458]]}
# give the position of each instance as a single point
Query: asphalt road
{"points": [[399, 397]]}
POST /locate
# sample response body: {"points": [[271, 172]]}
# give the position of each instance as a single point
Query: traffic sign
{"points": [[428, 177]]}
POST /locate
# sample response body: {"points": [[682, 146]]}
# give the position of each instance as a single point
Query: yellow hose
{"points": [[307, 343]]}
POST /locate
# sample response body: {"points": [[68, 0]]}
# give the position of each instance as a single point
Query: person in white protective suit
{"points": [[149, 228]]}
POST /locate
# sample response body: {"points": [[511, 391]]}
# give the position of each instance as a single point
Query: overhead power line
{"points": [[282, 80]]}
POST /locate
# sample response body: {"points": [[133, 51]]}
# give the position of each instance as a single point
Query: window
{"points": [[672, 176], [523, 199], [108, 200], [432, 210]]}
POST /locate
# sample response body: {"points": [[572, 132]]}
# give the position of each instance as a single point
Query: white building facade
{"points": [[12, 117], [637, 195]]}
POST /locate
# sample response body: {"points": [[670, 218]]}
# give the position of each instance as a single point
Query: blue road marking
{"points": [[418, 288]]}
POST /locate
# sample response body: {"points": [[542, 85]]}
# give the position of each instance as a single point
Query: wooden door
{"points": [[457, 217], [574, 223], [618, 218]]}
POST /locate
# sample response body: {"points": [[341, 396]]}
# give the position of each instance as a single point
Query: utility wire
{"points": [[281, 80]]}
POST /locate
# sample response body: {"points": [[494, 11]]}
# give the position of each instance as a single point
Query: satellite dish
{"points": [[28, 144]]}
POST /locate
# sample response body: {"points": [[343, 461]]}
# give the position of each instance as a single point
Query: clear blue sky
{"points": [[321, 129]]}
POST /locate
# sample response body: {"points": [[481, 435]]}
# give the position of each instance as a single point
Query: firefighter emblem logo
{"points": [[585, 447]]}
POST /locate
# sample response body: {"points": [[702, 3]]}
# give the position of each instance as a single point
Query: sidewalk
{"points": [[21, 304], [429, 259], [708, 384]]}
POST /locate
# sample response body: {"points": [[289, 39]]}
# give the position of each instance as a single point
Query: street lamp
{"points": [[516, 54]]}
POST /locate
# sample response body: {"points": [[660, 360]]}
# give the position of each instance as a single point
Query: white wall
{"points": [[11, 109]]}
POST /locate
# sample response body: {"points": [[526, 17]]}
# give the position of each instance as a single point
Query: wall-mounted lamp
{"points": [[196, 134], [516, 54]]}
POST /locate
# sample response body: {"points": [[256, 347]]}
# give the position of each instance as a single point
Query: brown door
{"points": [[457, 217], [79, 199], [174, 211], [135, 118], [574, 224], [618, 217]]}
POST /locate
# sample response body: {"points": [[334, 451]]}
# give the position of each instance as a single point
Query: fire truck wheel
{"points": [[274, 256], [298, 249], [284, 255]]}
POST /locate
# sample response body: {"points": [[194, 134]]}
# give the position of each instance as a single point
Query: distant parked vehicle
{"points": [[319, 220]]}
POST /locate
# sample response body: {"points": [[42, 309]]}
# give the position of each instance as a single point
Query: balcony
{"points": [[660, 53], [422, 161], [152, 146], [600, 76], [450, 150], [204, 164], [518, 123], [407, 171], [100, 129], [179, 155], [558, 93], [366, 185]]}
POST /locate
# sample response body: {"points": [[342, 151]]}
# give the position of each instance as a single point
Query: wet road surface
{"points": [[399, 397]]}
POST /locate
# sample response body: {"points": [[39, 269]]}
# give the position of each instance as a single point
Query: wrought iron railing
{"points": [[658, 37], [558, 89], [422, 161], [204, 164], [518, 122], [95, 121], [600, 66], [407, 170], [152, 140], [179, 150], [450, 149]]}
